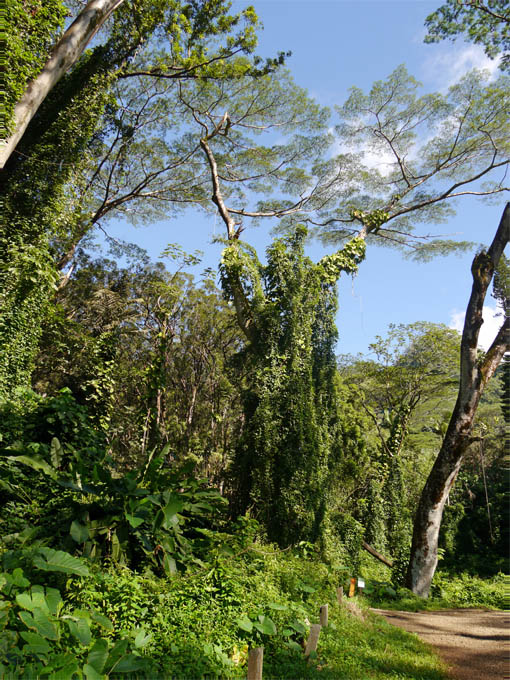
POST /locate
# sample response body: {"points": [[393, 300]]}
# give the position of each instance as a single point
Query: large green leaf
{"points": [[80, 629], [245, 623], [91, 673], [79, 532], [56, 452], [142, 638], [129, 664], [134, 521], [98, 655], [39, 622], [48, 601], [35, 463], [57, 560], [265, 625], [36, 643]]}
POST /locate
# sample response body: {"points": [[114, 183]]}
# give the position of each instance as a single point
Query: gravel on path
{"points": [[472, 642]]}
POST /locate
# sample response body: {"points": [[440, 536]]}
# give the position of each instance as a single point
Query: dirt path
{"points": [[473, 642]]}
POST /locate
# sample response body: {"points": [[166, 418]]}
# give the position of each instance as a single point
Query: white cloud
{"points": [[490, 327], [450, 63]]}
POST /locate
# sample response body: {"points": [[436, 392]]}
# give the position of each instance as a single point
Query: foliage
{"points": [[406, 158], [448, 591], [41, 636], [482, 22], [66, 493], [202, 624], [292, 439], [32, 31], [171, 380]]}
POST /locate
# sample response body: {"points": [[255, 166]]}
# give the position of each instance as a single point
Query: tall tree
{"points": [[43, 180], [475, 372]]}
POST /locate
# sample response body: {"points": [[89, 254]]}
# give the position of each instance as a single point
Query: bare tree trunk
{"points": [[64, 55], [474, 375]]}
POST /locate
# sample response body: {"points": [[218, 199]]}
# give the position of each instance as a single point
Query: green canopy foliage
{"points": [[485, 23]]}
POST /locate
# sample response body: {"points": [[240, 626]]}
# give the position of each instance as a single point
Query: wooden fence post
{"points": [[255, 661], [313, 639], [323, 615], [339, 594]]}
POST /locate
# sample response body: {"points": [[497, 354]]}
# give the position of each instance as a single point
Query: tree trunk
{"points": [[474, 375], [64, 55]]}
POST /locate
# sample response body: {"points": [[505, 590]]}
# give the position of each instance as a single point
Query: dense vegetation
{"points": [[187, 470]]}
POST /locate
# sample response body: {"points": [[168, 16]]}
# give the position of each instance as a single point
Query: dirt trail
{"points": [[473, 642]]}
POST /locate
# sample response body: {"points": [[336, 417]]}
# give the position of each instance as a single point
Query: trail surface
{"points": [[473, 642]]}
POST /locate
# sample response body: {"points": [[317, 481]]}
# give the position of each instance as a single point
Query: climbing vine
{"points": [[38, 209], [293, 434]]}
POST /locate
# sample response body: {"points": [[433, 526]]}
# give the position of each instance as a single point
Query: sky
{"points": [[335, 45]]}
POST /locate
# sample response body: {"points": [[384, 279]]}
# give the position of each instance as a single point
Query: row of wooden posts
{"points": [[256, 656]]}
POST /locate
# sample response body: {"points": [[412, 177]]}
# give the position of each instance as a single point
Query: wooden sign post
{"points": [[352, 587], [255, 662], [361, 586], [323, 615], [313, 639]]}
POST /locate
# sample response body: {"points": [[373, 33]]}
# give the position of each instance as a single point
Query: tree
{"points": [[484, 23], [411, 383], [43, 178], [134, 24], [172, 342], [475, 372], [429, 151], [295, 435]]}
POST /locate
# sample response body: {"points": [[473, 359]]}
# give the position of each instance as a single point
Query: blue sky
{"points": [[337, 44]]}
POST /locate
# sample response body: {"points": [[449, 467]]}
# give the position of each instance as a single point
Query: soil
{"points": [[472, 642]]}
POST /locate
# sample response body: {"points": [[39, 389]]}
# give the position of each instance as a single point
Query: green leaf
{"points": [[36, 643], [298, 627], [129, 664], [134, 521], [33, 598], [80, 629], [79, 532], [245, 624], [142, 638], [35, 463], [7, 641], [57, 560], [18, 579], [102, 620], [56, 452], [39, 622], [169, 565], [98, 655], [292, 644], [91, 674], [170, 511], [279, 607], [265, 626], [307, 589], [116, 653]]}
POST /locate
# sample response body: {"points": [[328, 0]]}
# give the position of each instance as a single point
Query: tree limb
{"points": [[65, 54]]}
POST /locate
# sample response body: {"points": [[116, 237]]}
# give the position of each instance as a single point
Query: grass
{"points": [[361, 647]]}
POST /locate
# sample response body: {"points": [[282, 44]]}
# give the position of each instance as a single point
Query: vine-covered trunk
{"points": [[474, 375]]}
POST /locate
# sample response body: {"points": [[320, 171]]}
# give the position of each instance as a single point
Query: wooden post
{"points": [[339, 594], [255, 661], [352, 587], [313, 639], [323, 615]]}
